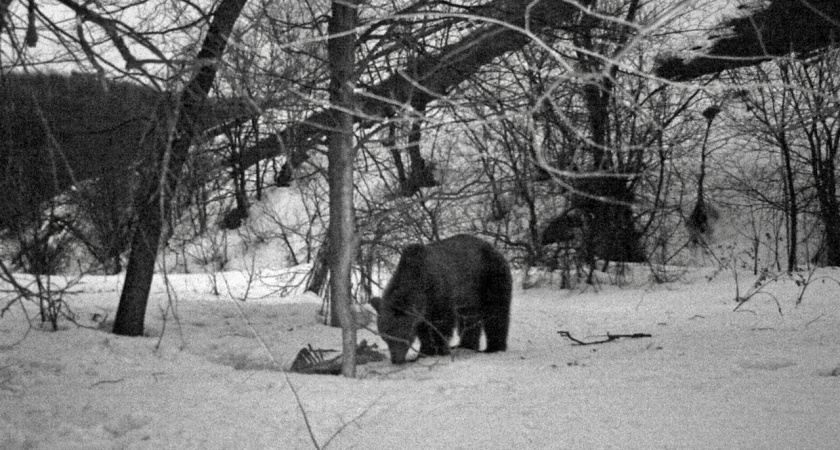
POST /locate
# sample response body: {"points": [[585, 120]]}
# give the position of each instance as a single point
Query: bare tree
{"points": [[793, 109], [433, 74], [342, 152], [162, 176], [769, 122]]}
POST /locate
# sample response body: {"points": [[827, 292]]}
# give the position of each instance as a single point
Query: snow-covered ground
{"points": [[707, 378]]}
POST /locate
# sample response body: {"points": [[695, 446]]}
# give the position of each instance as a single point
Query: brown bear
{"points": [[458, 283]]}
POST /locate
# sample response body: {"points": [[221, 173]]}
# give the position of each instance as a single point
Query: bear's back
{"points": [[461, 266]]}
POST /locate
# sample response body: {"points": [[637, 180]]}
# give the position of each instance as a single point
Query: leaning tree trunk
{"points": [[341, 48], [153, 204]]}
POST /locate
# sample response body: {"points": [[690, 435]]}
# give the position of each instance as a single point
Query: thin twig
{"points": [[353, 420], [278, 367], [119, 380]]}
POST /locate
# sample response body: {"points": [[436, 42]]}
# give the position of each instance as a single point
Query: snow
{"points": [[708, 377]]}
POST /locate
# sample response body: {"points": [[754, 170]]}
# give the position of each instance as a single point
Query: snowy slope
{"points": [[707, 378]]}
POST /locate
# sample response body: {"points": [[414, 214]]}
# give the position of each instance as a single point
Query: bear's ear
{"points": [[376, 302]]}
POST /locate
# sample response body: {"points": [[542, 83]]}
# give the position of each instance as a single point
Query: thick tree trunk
{"points": [[153, 205], [131, 311], [341, 49]]}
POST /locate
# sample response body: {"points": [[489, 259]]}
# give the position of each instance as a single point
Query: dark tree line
{"points": [[91, 127]]}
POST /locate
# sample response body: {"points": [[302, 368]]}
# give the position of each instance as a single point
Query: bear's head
{"points": [[403, 304], [397, 324]]}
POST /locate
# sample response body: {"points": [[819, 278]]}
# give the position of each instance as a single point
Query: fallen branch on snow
{"points": [[610, 337]]}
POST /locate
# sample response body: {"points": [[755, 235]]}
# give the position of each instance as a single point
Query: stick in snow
{"points": [[610, 337]]}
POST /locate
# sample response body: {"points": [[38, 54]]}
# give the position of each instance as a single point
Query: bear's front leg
{"points": [[470, 328], [434, 337]]}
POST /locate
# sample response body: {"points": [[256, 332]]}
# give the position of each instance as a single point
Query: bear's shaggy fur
{"points": [[461, 282]]}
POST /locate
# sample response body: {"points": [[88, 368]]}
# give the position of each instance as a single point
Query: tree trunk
{"points": [[829, 208], [131, 311], [320, 269], [341, 52], [153, 204], [792, 207]]}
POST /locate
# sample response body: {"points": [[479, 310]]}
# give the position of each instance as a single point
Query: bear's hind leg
{"points": [[496, 330], [495, 302]]}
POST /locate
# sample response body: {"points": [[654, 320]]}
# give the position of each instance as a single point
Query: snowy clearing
{"points": [[707, 378]]}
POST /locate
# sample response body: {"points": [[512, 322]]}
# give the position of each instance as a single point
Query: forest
{"points": [[564, 132], [192, 190]]}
